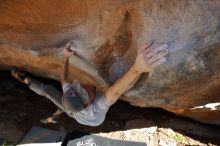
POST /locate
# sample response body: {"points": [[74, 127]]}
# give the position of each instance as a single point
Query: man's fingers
{"points": [[68, 45], [163, 46], [164, 52], [161, 54], [68, 52], [146, 45], [156, 49], [158, 62], [153, 57], [150, 49]]}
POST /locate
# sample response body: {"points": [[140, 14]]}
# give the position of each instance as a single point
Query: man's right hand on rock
{"points": [[150, 56]]}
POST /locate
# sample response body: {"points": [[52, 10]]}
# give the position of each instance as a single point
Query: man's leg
{"points": [[47, 91], [53, 118]]}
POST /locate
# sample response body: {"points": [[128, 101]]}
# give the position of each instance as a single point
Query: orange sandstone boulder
{"points": [[107, 34]]}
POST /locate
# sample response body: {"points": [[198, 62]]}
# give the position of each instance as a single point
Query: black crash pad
{"points": [[41, 136], [83, 139]]}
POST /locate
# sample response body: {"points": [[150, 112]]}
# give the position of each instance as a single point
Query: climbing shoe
{"points": [[18, 74], [49, 120]]}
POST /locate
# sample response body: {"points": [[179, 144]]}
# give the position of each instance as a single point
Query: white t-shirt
{"points": [[94, 114]]}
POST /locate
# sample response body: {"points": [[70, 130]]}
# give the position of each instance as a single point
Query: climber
{"points": [[82, 102]]}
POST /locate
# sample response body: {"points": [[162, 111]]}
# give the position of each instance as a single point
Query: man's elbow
{"points": [[112, 97]]}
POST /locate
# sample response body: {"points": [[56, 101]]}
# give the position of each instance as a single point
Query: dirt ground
{"points": [[20, 109]]}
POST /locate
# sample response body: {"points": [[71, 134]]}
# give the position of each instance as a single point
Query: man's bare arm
{"points": [[148, 57], [121, 85], [65, 69]]}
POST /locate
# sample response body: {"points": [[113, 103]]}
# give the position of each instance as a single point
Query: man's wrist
{"points": [[135, 71], [66, 57]]}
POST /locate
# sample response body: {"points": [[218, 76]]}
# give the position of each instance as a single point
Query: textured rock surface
{"points": [[153, 136], [107, 34]]}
